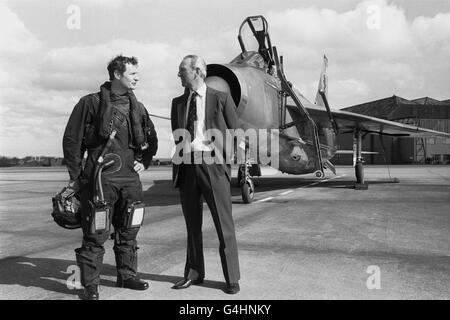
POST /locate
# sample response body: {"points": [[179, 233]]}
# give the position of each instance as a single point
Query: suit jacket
{"points": [[220, 114]]}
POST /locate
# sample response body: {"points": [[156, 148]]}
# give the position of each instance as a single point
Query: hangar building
{"points": [[424, 112]]}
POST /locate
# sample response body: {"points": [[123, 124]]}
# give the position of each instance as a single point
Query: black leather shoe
{"points": [[186, 283], [132, 283], [232, 288], [90, 293]]}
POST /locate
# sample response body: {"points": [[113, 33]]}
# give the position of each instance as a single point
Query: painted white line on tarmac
{"points": [[286, 192], [321, 181], [308, 185], [265, 199]]}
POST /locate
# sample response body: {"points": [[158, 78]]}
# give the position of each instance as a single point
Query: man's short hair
{"points": [[119, 64], [197, 62]]}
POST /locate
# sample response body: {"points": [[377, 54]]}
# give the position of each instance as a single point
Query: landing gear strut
{"points": [[244, 178], [359, 168]]}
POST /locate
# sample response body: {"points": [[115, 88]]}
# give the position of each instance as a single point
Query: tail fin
{"points": [[323, 83]]}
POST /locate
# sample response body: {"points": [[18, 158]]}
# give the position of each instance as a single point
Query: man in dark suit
{"points": [[201, 110]]}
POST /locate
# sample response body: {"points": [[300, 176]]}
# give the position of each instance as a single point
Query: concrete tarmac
{"points": [[301, 238]]}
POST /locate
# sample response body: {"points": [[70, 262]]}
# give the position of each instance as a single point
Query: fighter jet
{"points": [[306, 132]]}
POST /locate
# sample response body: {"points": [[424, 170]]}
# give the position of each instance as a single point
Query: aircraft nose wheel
{"points": [[248, 191]]}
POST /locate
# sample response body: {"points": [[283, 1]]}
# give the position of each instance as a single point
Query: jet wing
{"points": [[348, 121]]}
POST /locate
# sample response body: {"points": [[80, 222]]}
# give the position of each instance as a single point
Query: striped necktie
{"points": [[192, 115]]}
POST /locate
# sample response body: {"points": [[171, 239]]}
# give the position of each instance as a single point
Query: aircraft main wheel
{"points": [[359, 172], [248, 191]]}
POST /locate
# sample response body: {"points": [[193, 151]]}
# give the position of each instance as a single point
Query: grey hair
{"points": [[197, 62]]}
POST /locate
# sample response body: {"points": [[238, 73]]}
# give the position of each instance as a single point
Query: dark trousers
{"points": [[211, 182], [119, 192]]}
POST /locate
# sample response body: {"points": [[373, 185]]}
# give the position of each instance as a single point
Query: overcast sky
{"points": [[375, 49]]}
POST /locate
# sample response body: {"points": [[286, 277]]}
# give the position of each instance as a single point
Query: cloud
{"points": [[84, 67], [356, 87], [66, 74], [373, 50], [15, 38], [432, 31], [63, 75], [111, 4], [368, 59], [17, 46], [349, 33]]}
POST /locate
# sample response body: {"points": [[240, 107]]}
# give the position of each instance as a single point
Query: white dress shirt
{"points": [[200, 142]]}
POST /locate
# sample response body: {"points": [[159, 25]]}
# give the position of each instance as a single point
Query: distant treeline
{"points": [[31, 161], [44, 161]]}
